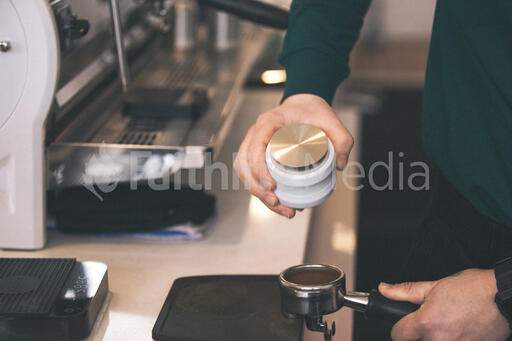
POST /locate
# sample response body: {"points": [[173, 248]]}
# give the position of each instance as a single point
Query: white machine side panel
{"points": [[22, 189], [11, 31]]}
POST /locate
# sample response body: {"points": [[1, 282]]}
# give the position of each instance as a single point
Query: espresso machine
{"points": [[77, 79]]}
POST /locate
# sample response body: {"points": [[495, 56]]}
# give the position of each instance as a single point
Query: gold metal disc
{"points": [[299, 145]]}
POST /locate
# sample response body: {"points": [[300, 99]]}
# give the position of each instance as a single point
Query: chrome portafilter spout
{"points": [[317, 324], [311, 291]]}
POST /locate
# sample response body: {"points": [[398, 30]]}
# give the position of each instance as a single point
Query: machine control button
{"points": [[5, 45]]}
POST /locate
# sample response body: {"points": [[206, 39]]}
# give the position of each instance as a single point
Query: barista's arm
{"points": [[320, 35]]}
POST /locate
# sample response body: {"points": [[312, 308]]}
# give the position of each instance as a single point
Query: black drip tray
{"points": [[228, 308]]}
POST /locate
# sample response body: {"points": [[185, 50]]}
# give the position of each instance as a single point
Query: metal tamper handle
{"points": [[299, 146]]}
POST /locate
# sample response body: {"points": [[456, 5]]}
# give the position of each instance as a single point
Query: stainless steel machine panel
{"points": [[100, 144]]}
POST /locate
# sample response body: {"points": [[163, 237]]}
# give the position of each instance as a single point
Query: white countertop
{"points": [[246, 238]]}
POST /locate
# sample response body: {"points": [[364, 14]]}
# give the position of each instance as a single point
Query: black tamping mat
{"points": [[225, 308]]}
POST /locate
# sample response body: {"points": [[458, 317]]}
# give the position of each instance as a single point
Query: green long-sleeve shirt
{"points": [[467, 109]]}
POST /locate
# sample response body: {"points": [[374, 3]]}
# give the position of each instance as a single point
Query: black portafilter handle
{"points": [[384, 308], [252, 10]]}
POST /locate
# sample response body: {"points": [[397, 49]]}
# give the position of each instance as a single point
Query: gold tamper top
{"points": [[299, 145]]}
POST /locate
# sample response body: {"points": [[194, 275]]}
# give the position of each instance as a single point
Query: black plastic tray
{"points": [[227, 308]]}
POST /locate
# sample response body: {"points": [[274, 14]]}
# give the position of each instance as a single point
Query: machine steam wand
{"points": [[117, 27]]}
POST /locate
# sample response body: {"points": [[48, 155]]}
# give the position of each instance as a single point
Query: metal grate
{"points": [[143, 138], [31, 286], [143, 131], [180, 74]]}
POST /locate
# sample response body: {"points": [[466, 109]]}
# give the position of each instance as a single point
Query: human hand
{"points": [[455, 308], [303, 108]]}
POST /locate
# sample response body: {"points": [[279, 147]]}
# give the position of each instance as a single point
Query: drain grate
{"points": [[143, 131], [143, 138], [178, 74]]}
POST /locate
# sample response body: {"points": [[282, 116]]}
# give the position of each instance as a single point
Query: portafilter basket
{"points": [[310, 291]]}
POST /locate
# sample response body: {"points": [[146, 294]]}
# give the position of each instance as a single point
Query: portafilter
{"points": [[310, 291]]}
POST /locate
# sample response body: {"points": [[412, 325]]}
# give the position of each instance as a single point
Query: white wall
{"points": [[408, 19], [400, 19], [394, 19]]}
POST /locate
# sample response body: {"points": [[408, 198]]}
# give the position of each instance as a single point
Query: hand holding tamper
{"points": [[302, 162]]}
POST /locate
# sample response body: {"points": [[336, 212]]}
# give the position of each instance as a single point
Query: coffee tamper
{"points": [[311, 291], [301, 160]]}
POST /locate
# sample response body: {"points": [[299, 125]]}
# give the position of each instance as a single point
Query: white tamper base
{"points": [[304, 188]]}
